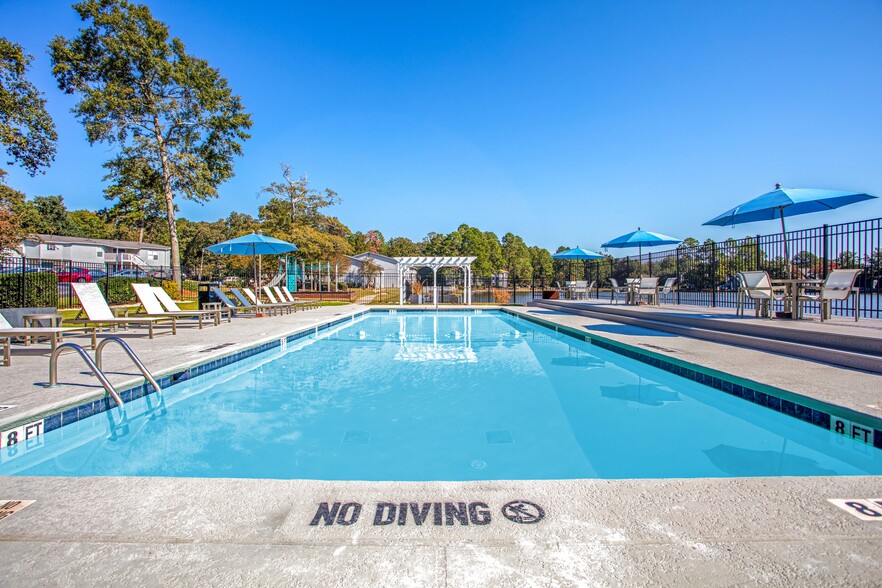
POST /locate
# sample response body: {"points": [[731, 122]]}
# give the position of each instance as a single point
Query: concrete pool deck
{"points": [[714, 532]]}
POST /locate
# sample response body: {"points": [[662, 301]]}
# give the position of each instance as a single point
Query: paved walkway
{"points": [[208, 532]]}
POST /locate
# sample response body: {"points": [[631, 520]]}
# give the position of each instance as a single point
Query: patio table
{"points": [[792, 287], [633, 284], [34, 320]]}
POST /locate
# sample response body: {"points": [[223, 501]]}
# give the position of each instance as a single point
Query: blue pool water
{"points": [[441, 396]]}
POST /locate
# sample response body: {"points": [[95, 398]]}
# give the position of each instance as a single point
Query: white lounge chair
{"points": [[171, 306], [99, 313], [273, 300], [150, 302], [285, 295], [757, 286], [8, 332], [839, 285], [231, 306], [251, 301], [255, 299]]}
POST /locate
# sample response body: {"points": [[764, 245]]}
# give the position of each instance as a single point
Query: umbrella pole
{"points": [[784, 236], [640, 261]]}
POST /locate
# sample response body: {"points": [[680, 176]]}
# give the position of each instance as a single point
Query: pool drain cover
{"points": [[357, 437], [499, 437]]}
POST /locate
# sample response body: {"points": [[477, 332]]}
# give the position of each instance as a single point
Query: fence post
{"points": [[514, 290], [679, 277], [826, 252], [758, 256], [650, 263], [23, 281], [713, 274]]}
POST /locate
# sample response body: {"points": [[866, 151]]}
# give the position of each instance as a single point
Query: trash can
{"points": [[204, 293]]}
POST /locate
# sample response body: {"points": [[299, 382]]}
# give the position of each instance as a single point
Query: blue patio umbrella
{"points": [[641, 239], [577, 253], [789, 201], [253, 244]]}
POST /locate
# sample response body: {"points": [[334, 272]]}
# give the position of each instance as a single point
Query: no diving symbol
{"points": [[523, 511]]}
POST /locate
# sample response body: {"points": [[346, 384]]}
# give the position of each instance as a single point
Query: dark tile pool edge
{"points": [[804, 408], [57, 418]]}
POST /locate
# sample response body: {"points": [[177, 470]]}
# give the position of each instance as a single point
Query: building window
{"points": [[99, 253], [50, 247], [154, 255]]}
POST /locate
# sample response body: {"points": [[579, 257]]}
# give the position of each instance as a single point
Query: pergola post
{"points": [[435, 286]]}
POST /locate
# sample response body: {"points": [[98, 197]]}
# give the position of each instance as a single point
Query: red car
{"points": [[76, 274]]}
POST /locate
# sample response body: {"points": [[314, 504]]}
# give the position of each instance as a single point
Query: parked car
{"points": [[29, 270], [129, 273], [97, 274], [74, 274], [160, 275]]}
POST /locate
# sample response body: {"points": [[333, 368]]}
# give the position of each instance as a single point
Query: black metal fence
{"points": [[29, 283], [705, 274]]}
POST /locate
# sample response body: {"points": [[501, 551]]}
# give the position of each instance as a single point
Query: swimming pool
{"points": [[440, 396]]}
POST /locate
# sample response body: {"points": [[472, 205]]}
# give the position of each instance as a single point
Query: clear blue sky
{"points": [[564, 122]]}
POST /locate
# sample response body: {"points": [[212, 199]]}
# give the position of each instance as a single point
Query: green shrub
{"points": [[118, 290], [40, 290]]}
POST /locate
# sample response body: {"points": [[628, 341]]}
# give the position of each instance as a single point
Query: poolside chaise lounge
{"points": [[305, 302], [97, 311], [171, 306], [150, 302], [255, 300], [280, 300], [248, 302], [8, 332], [231, 306]]}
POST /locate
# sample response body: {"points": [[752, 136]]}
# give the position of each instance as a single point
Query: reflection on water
{"points": [[648, 394], [739, 461]]}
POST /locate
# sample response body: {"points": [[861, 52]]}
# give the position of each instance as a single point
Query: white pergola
{"points": [[406, 264]]}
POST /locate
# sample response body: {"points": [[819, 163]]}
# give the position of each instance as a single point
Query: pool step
{"points": [[853, 351]]}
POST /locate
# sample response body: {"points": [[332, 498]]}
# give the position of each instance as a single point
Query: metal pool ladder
{"points": [[95, 366]]}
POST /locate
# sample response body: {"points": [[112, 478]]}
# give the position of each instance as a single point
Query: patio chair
{"points": [[647, 287], [839, 285], [591, 286], [172, 307], [615, 289], [580, 289], [97, 311], [153, 307], [231, 306], [285, 295], [668, 289], [757, 286], [8, 332]]}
